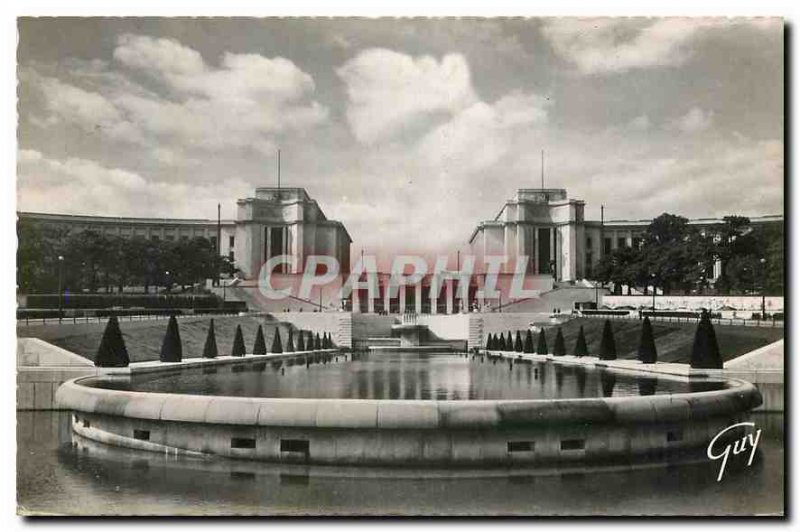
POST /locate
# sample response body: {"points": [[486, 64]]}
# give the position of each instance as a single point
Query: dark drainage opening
{"points": [[294, 446], [572, 445], [141, 434], [243, 443], [520, 446], [674, 435], [86, 423]]}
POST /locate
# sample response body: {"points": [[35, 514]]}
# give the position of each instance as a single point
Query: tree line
{"points": [[675, 256], [95, 262]]}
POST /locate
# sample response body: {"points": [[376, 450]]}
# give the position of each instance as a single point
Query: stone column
{"points": [[418, 297], [449, 295], [401, 295], [370, 303], [356, 301], [387, 300]]}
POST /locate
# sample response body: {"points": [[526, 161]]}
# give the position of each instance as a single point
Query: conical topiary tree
{"points": [[171, 347], [559, 349], [112, 352], [580, 345], [509, 342], [705, 351], [608, 347], [301, 343], [331, 344], [290, 342], [501, 342], [647, 345], [210, 348], [260, 346], [518, 343], [328, 341], [238, 343], [276, 342], [541, 346], [317, 342], [527, 347]]}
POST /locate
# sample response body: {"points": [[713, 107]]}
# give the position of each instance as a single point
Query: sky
{"points": [[409, 131]]}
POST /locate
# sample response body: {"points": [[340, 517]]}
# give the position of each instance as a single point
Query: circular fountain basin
{"points": [[458, 410]]}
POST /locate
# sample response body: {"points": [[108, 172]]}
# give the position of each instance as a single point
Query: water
{"points": [[443, 376], [58, 473]]}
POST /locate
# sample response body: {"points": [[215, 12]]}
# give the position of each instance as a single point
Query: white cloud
{"points": [[160, 55], [604, 45], [695, 120], [81, 186], [388, 91], [482, 134], [243, 104]]}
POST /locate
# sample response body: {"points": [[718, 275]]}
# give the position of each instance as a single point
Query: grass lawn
{"points": [[673, 340], [143, 338]]}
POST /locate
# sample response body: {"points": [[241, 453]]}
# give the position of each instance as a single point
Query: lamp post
{"points": [[60, 291], [763, 262], [653, 283]]}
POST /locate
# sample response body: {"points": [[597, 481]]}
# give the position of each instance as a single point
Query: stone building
{"points": [[550, 232], [274, 221]]}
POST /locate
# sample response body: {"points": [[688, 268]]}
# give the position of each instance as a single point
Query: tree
{"points": [[608, 347], [171, 347], [210, 347], [647, 346], [705, 350], [112, 352], [317, 342], [301, 344], [580, 345], [276, 342], [509, 342], [528, 346], [260, 346], [290, 342], [238, 349], [518, 343], [559, 349], [489, 342], [541, 347]]}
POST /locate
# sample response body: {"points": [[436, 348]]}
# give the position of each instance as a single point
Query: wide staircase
{"points": [[563, 296]]}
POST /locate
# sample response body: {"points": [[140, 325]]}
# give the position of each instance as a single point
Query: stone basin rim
{"points": [[738, 396]]}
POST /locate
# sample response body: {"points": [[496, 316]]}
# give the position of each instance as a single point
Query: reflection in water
{"points": [[580, 378], [647, 386], [426, 376], [59, 472], [608, 380]]}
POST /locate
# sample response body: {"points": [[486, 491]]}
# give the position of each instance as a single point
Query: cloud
{"points": [[243, 104], [165, 56], [482, 134], [388, 90], [695, 121], [86, 187], [608, 45]]}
